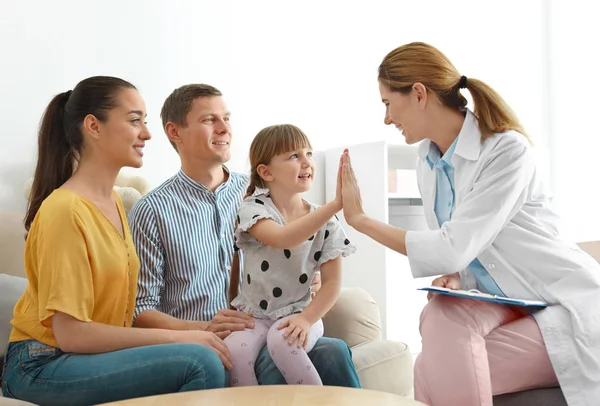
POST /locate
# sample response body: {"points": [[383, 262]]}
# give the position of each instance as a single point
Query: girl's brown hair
{"points": [[268, 143], [423, 63]]}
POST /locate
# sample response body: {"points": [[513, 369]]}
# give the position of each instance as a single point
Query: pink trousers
{"points": [[474, 349]]}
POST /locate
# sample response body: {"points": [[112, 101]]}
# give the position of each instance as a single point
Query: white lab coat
{"points": [[503, 217]]}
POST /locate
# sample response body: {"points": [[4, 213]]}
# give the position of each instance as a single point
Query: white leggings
{"points": [[293, 362]]}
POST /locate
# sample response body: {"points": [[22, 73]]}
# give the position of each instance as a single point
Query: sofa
{"points": [[382, 365]]}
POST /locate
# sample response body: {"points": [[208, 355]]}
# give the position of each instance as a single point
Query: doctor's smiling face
{"points": [[406, 110]]}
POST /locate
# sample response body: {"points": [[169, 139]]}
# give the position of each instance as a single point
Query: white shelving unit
{"points": [[383, 273]]}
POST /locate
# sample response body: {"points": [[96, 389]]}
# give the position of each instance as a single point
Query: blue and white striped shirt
{"points": [[183, 233]]}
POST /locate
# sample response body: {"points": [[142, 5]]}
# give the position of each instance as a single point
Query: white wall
{"points": [[310, 63], [574, 131], [47, 47]]}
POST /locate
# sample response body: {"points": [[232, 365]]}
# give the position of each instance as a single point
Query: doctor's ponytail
{"points": [[423, 63], [493, 113]]}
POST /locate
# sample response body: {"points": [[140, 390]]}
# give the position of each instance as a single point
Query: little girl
{"points": [[284, 241]]}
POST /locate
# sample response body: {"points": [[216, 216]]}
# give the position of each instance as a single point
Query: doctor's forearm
{"points": [[392, 237]]}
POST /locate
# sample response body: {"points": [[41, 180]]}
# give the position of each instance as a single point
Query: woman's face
{"points": [[406, 111], [120, 139]]}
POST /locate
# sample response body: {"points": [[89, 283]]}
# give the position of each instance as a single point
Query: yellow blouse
{"points": [[76, 262]]}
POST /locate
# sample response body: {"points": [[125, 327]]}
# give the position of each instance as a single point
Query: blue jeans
{"points": [[45, 375], [331, 357]]}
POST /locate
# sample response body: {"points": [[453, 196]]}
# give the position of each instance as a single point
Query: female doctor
{"points": [[491, 227]]}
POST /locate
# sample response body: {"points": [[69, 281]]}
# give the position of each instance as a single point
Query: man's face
{"points": [[207, 136]]}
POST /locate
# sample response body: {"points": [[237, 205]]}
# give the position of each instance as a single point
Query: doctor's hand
{"points": [[451, 281], [351, 199]]}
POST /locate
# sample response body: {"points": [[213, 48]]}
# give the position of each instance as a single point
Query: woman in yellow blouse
{"points": [[72, 340]]}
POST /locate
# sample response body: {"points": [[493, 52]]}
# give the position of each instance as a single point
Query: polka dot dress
{"points": [[276, 282]]}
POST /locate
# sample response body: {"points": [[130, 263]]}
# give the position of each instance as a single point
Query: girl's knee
{"points": [[236, 349], [276, 341], [276, 337]]}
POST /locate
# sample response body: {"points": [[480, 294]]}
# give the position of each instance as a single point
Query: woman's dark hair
{"points": [[60, 135]]}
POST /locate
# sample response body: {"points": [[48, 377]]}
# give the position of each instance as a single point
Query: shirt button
{"points": [[449, 204], [491, 266]]}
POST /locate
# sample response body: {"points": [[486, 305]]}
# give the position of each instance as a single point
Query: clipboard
{"points": [[475, 294]]}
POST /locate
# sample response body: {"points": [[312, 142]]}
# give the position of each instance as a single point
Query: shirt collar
{"points": [[183, 177], [434, 155], [467, 144]]}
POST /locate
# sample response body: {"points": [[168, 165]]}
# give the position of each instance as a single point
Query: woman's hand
{"points": [[297, 328], [451, 281], [351, 199], [209, 340]]}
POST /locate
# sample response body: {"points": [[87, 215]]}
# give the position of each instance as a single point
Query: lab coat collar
{"points": [[469, 140]]}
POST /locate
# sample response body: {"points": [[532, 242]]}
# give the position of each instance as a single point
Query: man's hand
{"points": [[228, 321], [316, 284]]}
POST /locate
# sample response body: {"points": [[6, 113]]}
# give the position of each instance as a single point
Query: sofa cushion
{"points": [[12, 243], [11, 289], [534, 397], [385, 366], [354, 318]]}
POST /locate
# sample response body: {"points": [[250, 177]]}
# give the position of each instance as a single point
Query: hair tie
{"points": [[462, 84]]}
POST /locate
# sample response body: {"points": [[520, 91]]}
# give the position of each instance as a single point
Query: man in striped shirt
{"points": [[183, 232]]}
